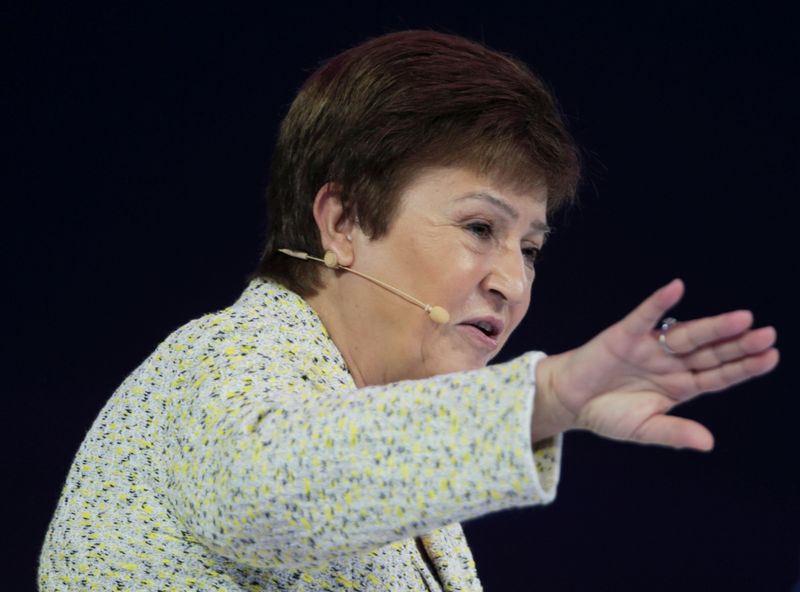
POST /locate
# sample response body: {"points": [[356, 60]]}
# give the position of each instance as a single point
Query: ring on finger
{"points": [[666, 325]]}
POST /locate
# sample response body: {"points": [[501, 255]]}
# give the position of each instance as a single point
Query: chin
{"points": [[457, 365]]}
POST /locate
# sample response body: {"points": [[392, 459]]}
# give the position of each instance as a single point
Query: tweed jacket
{"points": [[241, 456]]}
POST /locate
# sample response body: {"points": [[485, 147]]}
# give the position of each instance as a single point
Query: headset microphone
{"points": [[437, 314]]}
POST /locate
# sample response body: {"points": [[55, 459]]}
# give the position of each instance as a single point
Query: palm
{"points": [[622, 383]]}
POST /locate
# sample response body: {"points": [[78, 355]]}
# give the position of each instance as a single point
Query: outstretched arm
{"points": [[622, 383]]}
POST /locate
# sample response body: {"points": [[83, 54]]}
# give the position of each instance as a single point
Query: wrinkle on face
{"points": [[430, 253]]}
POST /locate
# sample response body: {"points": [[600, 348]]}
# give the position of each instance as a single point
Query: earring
{"points": [[331, 260], [350, 238]]}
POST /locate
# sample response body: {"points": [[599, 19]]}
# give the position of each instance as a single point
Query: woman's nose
{"points": [[509, 277]]}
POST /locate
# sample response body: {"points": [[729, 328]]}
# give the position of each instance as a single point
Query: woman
{"points": [[323, 432]]}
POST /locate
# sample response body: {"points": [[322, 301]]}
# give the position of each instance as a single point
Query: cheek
{"points": [[518, 312], [461, 267], [461, 291], [523, 307]]}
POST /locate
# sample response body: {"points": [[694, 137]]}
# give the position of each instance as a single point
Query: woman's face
{"points": [[457, 241]]}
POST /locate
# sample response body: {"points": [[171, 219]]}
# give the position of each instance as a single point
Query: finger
{"points": [[675, 432], [749, 344], [722, 377], [688, 336], [644, 317]]}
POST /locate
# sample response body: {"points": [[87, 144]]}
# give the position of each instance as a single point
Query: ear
{"points": [[334, 227]]}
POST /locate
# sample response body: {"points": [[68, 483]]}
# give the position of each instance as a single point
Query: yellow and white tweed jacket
{"points": [[241, 456]]}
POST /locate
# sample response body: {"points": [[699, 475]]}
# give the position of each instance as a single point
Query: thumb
{"points": [[675, 432]]}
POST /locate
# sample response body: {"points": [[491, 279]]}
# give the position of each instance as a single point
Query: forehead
{"points": [[452, 187]]}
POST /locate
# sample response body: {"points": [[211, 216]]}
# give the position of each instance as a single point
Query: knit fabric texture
{"points": [[241, 456]]}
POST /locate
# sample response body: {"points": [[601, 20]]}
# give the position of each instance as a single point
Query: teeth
{"points": [[484, 326]]}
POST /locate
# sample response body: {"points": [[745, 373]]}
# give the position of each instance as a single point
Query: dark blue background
{"points": [[138, 141]]}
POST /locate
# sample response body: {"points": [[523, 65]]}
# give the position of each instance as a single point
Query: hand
{"points": [[622, 383]]}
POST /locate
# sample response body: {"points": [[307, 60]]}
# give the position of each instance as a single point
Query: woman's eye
{"points": [[531, 254], [482, 230]]}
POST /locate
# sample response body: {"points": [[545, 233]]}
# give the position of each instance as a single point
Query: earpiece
{"points": [[437, 314], [331, 260]]}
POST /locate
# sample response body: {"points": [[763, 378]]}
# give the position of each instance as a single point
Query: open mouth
{"points": [[483, 333], [485, 327]]}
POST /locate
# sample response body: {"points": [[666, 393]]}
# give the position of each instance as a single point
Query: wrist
{"points": [[550, 417]]}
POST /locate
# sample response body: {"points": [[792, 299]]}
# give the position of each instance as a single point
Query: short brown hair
{"points": [[376, 114]]}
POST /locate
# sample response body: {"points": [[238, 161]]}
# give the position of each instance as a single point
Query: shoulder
{"points": [[269, 334]]}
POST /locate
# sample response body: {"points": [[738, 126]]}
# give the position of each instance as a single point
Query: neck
{"points": [[343, 333]]}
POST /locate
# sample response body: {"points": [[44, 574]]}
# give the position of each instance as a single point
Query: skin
{"points": [[622, 383], [457, 241], [468, 244]]}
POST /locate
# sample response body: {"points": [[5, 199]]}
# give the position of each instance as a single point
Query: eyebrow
{"points": [[537, 225]]}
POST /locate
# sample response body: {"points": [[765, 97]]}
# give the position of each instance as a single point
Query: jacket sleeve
{"points": [[271, 463]]}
